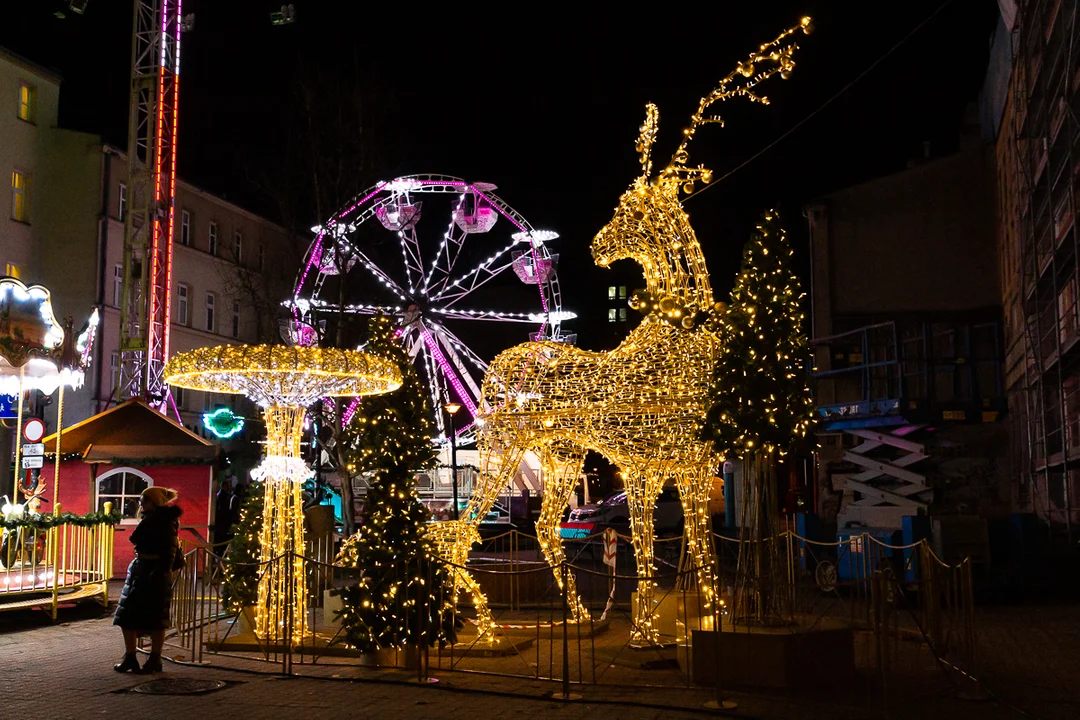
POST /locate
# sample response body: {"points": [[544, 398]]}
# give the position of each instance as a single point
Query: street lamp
{"points": [[452, 410]]}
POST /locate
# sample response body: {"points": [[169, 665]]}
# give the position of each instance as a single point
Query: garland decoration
{"points": [[43, 521]]}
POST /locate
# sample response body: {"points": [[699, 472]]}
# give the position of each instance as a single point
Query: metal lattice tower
{"points": [[151, 192]]}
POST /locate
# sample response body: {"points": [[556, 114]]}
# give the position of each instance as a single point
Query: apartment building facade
{"points": [[1037, 142], [231, 267], [28, 113]]}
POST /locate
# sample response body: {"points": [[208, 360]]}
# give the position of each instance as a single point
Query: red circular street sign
{"points": [[33, 430]]}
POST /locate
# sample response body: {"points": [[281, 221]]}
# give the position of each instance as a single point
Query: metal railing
{"points": [[42, 567], [889, 611]]}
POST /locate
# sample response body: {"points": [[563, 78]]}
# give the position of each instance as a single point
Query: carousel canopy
{"points": [[35, 352]]}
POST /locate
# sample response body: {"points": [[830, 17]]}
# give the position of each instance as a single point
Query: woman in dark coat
{"points": [[144, 601]]}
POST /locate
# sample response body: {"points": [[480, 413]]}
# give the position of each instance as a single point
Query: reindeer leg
{"points": [[695, 482], [485, 622], [452, 541], [642, 529], [561, 472]]}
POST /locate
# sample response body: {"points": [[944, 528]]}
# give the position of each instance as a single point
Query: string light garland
{"points": [[283, 380], [643, 404], [392, 554], [13, 517]]}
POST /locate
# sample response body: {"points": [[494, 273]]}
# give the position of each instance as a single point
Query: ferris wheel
{"points": [[431, 276]]}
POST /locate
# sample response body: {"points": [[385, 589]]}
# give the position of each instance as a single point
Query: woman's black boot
{"points": [[128, 664], [152, 664]]}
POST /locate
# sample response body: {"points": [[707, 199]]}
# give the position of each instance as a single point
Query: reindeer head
{"points": [[33, 495], [650, 225]]}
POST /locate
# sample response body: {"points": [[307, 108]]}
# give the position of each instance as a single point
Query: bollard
{"points": [[566, 694], [718, 625]]}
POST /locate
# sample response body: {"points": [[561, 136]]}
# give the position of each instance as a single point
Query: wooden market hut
{"points": [[114, 455]]}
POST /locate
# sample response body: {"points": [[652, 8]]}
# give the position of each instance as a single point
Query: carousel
{"points": [[45, 557]]}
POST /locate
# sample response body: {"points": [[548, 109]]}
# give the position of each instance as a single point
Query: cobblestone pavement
{"points": [[1029, 662]]}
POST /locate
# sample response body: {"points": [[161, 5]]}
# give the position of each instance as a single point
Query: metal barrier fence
{"points": [[62, 563], [877, 619]]}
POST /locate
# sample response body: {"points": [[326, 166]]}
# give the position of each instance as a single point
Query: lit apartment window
{"points": [[622, 314], [117, 284], [262, 258], [235, 319], [611, 315], [622, 292], [210, 312], [611, 292], [213, 238], [182, 293], [27, 96], [12, 270], [121, 205], [114, 361], [238, 247], [18, 196], [185, 227]]}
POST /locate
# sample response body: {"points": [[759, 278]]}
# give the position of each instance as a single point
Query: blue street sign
{"points": [[9, 407]]}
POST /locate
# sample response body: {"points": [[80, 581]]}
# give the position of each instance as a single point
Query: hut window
{"points": [[122, 487]]}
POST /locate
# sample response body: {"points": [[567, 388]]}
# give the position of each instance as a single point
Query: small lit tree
{"points": [[400, 590], [760, 407], [241, 563]]}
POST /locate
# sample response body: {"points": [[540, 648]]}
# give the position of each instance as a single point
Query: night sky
{"points": [[543, 102]]}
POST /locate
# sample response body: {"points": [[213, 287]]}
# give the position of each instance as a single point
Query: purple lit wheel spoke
{"points": [[448, 372], [456, 363], [462, 347]]}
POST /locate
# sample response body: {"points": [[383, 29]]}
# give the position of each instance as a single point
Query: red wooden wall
{"points": [[194, 483]]}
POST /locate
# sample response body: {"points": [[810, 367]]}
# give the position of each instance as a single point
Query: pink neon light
{"points": [[176, 410], [151, 350], [165, 324], [444, 364]]}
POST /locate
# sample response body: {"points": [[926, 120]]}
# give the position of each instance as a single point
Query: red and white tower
{"points": [[151, 193]]}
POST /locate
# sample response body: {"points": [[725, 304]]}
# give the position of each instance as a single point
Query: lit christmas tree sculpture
{"points": [[283, 381], [389, 439], [241, 566], [760, 406], [399, 598]]}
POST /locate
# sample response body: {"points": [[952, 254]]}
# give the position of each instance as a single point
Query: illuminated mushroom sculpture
{"points": [[283, 380]]}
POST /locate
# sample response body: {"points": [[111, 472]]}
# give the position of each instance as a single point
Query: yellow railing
{"points": [[62, 563]]}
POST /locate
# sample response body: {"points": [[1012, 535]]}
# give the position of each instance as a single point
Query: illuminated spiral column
{"points": [[283, 381], [283, 473]]}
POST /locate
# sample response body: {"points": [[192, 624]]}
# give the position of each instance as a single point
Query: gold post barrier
{"points": [[18, 440], [56, 456]]}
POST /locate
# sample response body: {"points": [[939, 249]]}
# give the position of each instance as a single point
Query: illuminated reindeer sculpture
{"points": [[641, 405]]}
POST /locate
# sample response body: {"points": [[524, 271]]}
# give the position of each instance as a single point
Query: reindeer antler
{"points": [[648, 137], [729, 87]]}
